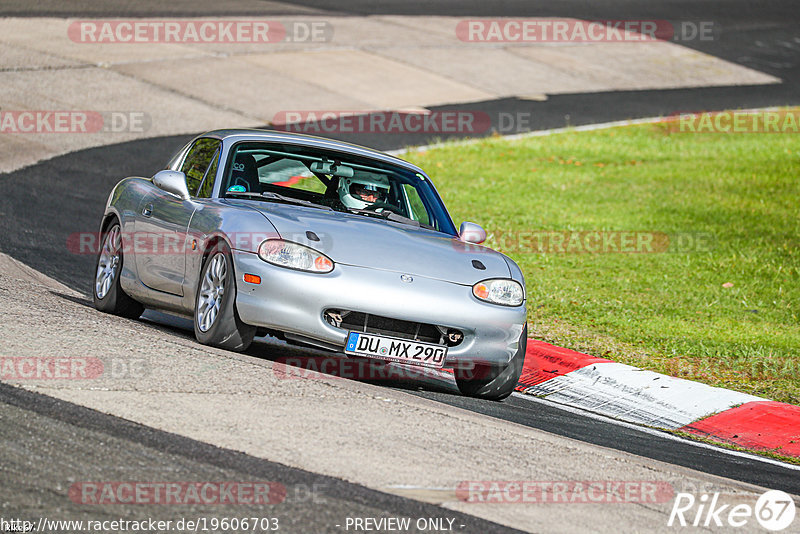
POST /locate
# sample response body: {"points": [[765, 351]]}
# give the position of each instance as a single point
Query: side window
{"points": [[197, 162], [208, 181], [418, 211]]}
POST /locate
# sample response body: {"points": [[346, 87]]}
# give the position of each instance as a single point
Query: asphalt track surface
{"points": [[47, 441], [43, 204], [764, 36], [524, 410]]}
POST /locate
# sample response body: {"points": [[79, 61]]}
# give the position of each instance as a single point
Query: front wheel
{"points": [[493, 382], [108, 294], [216, 321]]}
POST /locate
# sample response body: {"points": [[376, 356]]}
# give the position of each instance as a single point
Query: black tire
{"points": [[226, 330], [493, 382], [114, 299]]}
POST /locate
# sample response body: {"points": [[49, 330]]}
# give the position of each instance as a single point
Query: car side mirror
{"points": [[173, 182], [470, 232]]}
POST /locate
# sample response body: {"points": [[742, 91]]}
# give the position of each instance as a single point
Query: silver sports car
{"points": [[317, 242]]}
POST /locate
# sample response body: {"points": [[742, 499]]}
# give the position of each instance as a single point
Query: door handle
{"points": [[148, 210]]}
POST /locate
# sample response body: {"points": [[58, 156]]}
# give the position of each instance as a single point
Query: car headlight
{"points": [[500, 291], [294, 256]]}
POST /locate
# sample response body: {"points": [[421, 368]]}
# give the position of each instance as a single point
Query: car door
{"points": [[162, 221]]}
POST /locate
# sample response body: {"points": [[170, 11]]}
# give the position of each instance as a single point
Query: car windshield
{"points": [[311, 176]]}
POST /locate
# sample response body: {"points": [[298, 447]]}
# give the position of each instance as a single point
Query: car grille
{"points": [[386, 326]]}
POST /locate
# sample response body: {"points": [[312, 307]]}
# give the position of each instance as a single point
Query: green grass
{"points": [[676, 311]]}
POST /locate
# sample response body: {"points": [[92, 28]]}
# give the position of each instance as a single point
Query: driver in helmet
{"points": [[360, 192]]}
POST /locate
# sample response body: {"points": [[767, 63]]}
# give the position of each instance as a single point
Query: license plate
{"points": [[394, 349]]}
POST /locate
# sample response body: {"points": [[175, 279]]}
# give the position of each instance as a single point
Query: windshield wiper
{"points": [[269, 195], [387, 215], [275, 197], [242, 194]]}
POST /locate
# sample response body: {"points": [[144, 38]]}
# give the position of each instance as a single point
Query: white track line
{"points": [[523, 135], [659, 433], [636, 395], [577, 411], [566, 129]]}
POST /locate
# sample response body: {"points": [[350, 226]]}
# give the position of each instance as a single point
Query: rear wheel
{"points": [[493, 382], [216, 321], [108, 295]]}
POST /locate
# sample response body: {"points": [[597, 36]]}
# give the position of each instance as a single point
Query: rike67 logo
{"points": [[774, 510]]}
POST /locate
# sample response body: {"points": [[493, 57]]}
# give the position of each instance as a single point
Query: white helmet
{"points": [[353, 190]]}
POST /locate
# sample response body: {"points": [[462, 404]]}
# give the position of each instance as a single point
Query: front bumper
{"points": [[294, 302]]}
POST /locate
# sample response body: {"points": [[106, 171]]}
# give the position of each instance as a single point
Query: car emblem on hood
{"points": [[407, 278]]}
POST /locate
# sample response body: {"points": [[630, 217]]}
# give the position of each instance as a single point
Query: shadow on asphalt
{"points": [[294, 362]]}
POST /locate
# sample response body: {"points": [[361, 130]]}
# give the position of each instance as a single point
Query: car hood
{"points": [[378, 244]]}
